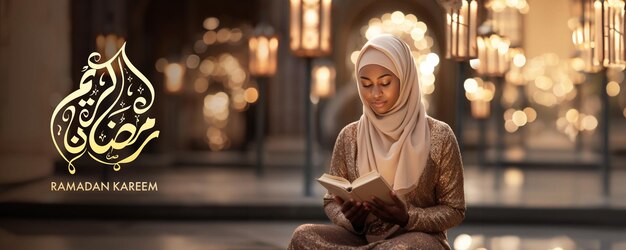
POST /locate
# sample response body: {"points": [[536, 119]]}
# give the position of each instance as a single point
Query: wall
{"points": [[34, 76], [545, 28]]}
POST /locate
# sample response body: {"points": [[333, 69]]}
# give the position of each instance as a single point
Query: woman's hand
{"points": [[393, 213], [355, 212]]}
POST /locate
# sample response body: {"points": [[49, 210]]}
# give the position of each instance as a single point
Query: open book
{"points": [[370, 184]]}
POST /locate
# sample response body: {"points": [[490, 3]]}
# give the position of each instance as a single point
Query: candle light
{"points": [[323, 81], [174, 73]]}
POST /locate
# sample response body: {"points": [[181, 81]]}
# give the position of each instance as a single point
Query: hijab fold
{"points": [[396, 143]]}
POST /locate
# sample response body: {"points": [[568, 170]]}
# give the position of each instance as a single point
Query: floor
{"points": [[196, 185], [190, 235], [191, 185]]}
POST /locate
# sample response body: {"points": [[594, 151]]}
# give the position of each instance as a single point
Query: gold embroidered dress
{"points": [[435, 205]]}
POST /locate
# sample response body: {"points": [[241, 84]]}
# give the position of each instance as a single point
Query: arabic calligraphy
{"points": [[93, 119]]}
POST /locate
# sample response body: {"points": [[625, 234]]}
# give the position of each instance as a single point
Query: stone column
{"points": [[34, 77]]}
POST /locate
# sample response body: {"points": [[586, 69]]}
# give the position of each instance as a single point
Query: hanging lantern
{"points": [[310, 27], [506, 18], [493, 56], [263, 47], [599, 34], [461, 30], [174, 76], [612, 14], [323, 77]]}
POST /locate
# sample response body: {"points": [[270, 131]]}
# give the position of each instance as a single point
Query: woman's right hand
{"points": [[354, 211]]}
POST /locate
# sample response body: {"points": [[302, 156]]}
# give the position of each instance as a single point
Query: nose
{"points": [[376, 91]]}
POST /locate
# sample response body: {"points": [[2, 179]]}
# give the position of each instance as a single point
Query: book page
{"points": [[336, 185], [336, 181], [365, 178], [372, 185], [335, 190]]}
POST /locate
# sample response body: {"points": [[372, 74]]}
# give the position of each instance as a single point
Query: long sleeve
{"points": [[338, 167], [450, 197]]}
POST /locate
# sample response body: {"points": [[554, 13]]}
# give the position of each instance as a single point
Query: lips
{"points": [[379, 104]]}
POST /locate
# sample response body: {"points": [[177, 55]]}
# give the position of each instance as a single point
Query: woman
{"points": [[416, 154]]}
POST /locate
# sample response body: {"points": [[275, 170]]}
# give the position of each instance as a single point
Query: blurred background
{"points": [[250, 96]]}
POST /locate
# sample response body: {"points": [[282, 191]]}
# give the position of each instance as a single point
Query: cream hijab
{"points": [[397, 143]]}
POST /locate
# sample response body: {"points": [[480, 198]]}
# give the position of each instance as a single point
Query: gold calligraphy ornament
{"points": [[106, 116]]}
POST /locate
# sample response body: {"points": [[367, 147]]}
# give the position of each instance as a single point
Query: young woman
{"points": [[416, 154]]}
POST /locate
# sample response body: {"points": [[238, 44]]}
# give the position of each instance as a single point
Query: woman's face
{"points": [[379, 87]]}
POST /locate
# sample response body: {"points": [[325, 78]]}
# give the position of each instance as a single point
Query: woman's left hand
{"points": [[393, 213]]}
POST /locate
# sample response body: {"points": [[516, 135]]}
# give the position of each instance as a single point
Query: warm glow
{"points": [[263, 55], [174, 73], [599, 36], [613, 42], [192, 61], [493, 55], [575, 121], [506, 18], [508, 114], [589, 123], [251, 95], [211, 23], [515, 74], [210, 37], [323, 81], [207, 67], [531, 114], [223, 35], [397, 17], [461, 23], [506, 242], [480, 109], [414, 33], [572, 115], [578, 64], [354, 56], [310, 27], [513, 177], [474, 63], [551, 80], [514, 119], [160, 64], [543, 82], [217, 139], [216, 106], [470, 85], [519, 60], [612, 88], [462, 242], [480, 94], [218, 75], [201, 85], [108, 45], [519, 118], [239, 99], [510, 126], [235, 35]]}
